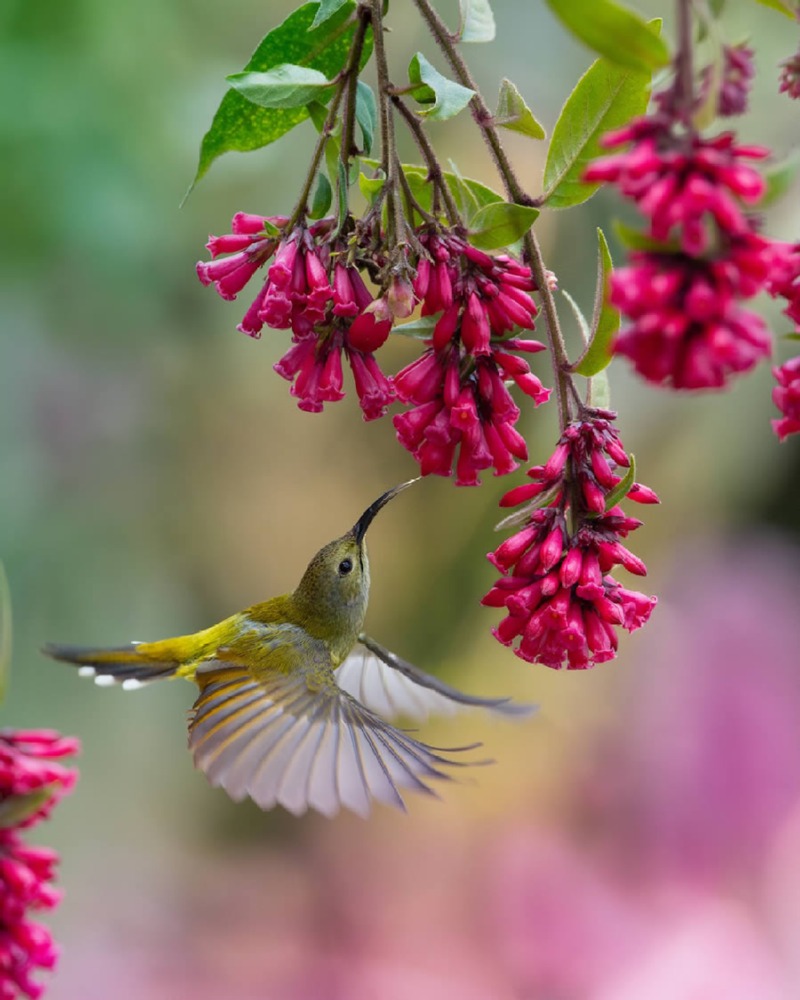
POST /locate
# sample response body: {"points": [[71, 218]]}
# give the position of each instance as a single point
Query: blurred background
{"points": [[639, 838]]}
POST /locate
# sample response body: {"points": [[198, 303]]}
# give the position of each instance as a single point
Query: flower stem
{"points": [[515, 193]]}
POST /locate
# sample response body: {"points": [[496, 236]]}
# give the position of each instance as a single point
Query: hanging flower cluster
{"points": [[563, 606], [31, 783], [462, 410], [687, 329]]}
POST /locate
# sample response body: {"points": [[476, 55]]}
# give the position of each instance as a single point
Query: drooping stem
{"points": [[435, 174], [516, 194], [347, 77]]}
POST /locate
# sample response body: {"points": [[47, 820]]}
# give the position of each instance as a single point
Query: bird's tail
{"points": [[131, 666]]}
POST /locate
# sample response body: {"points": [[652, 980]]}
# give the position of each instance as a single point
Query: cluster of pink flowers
{"points": [[31, 782], [462, 413], [462, 410], [790, 76], [312, 290], [563, 606], [686, 327], [736, 79]]}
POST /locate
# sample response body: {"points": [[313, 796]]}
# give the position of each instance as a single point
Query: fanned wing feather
{"points": [[300, 741], [393, 687]]}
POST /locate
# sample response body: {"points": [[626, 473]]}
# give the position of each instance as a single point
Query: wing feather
{"points": [[393, 687], [299, 741]]}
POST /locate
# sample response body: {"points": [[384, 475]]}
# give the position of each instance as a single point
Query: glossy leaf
{"points": [[326, 10], [514, 114], [240, 125], [779, 178], [606, 97], [446, 97], [366, 114], [620, 491], [285, 86], [323, 196], [614, 32], [780, 6], [605, 320], [501, 224], [420, 328], [635, 239], [477, 21]]}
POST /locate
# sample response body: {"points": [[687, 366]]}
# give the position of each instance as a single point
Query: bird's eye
{"points": [[345, 566]]}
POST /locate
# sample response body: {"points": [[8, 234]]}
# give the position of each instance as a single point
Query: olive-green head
{"points": [[333, 594]]}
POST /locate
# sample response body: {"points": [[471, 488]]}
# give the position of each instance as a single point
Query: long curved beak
{"points": [[361, 525]]}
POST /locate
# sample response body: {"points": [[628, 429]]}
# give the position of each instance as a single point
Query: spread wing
{"points": [[300, 741], [391, 686]]}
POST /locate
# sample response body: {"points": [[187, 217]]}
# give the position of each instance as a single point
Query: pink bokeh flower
{"points": [[790, 76], [31, 783], [736, 79], [786, 396], [563, 606]]}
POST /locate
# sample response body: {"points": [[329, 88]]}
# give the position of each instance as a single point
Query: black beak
{"points": [[361, 525]]}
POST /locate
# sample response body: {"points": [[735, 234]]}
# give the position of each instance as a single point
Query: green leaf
{"points": [[240, 125], [477, 21], [500, 224], [783, 8], [634, 239], [285, 86], [779, 178], [17, 808], [370, 187], [366, 114], [621, 489], [514, 114], [446, 97], [419, 329], [605, 320], [6, 635], [614, 32], [599, 391], [326, 10], [606, 97], [323, 196]]}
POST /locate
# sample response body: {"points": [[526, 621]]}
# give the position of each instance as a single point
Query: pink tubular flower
{"points": [[31, 782], [563, 607], [784, 281], [686, 329], [786, 396], [682, 183], [790, 76], [735, 83], [463, 414]]}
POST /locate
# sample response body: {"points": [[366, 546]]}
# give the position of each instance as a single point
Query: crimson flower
{"points": [[786, 396], [31, 783], [563, 606], [790, 76]]}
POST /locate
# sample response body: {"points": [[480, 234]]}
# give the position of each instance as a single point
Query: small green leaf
{"points": [[446, 97], [477, 21], [500, 224], [323, 196], [514, 114], [366, 114], [781, 7], [606, 97], [580, 319], [6, 635], [791, 336], [285, 86], [598, 393], [635, 239], [419, 329], [370, 187], [17, 808], [620, 491], [605, 320], [240, 125], [614, 32], [326, 10], [779, 178]]}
